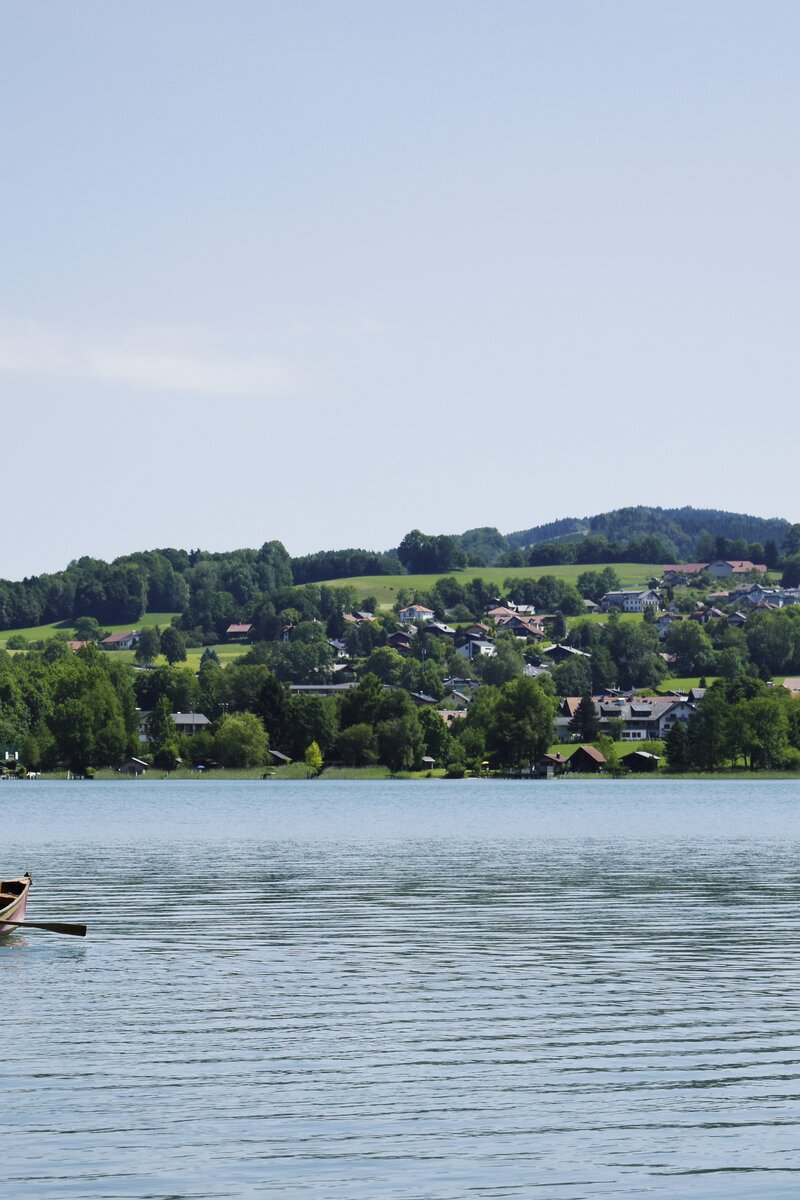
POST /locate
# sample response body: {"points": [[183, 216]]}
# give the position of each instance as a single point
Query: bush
{"points": [[166, 757]]}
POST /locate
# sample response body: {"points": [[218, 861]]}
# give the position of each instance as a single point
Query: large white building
{"points": [[630, 600]]}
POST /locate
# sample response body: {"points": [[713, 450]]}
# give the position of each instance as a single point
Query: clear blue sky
{"points": [[325, 272]]}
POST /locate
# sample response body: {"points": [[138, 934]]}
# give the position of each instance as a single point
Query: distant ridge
{"points": [[677, 527]]}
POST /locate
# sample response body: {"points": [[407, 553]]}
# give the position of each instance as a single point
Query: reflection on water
{"points": [[425, 990]]}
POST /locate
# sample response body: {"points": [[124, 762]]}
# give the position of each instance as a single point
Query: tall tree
{"points": [[585, 723], [148, 646], [173, 645]]}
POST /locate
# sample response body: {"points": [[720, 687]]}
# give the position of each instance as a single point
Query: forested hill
{"points": [[679, 528], [211, 590]]}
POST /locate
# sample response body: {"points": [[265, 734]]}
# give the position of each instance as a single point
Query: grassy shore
{"points": [[299, 771]]}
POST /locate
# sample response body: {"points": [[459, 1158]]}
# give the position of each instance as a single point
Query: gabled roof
{"points": [[114, 639], [566, 649], [234, 628], [592, 752]]}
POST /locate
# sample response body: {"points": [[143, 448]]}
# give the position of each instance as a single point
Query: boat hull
{"points": [[13, 908]]}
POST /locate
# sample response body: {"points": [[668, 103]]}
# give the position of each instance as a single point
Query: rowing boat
{"points": [[13, 899]]}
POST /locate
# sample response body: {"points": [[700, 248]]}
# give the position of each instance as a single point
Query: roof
{"points": [[76, 645], [685, 568], [194, 718], [592, 752], [566, 649], [739, 566], [532, 625], [238, 628], [114, 639], [322, 689]]}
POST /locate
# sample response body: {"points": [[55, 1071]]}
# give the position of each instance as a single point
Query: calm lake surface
{"points": [[412, 990]]}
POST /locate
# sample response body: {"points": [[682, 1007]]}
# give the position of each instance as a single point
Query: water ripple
{"points": [[422, 991]]}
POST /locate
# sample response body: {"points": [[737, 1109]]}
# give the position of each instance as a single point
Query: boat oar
{"points": [[50, 926]]}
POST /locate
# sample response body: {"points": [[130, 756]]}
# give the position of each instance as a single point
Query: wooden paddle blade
{"points": [[50, 926]]}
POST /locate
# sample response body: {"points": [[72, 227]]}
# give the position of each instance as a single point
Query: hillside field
{"points": [[35, 633], [386, 587]]}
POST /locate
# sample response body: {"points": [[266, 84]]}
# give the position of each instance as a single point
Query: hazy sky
{"points": [[325, 272]]}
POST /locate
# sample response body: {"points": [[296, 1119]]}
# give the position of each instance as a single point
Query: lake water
{"points": [[423, 990]]}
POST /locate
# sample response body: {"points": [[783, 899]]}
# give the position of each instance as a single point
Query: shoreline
{"points": [[375, 775]]}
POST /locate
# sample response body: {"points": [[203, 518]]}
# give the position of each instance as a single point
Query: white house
{"points": [[630, 600], [416, 612], [727, 567], [121, 641], [476, 649]]}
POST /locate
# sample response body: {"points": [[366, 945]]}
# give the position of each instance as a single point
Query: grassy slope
{"points": [[386, 587], [37, 633]]}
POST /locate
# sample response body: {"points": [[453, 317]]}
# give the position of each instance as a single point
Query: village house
{"points": [[665, 622], [683, 569], [524, 627], [236, 630], [737, 619], [401, 641], [726, 567], [703, 615], [500, 612], [587, 758], [475, 648], [439, 629], [477, 630], [121, 641], [358, 618], [559, 653], [644, 718], [416, 612], [630, 600], [451, 715], [757, 594], [134, 766], [188, 723], [639, 761]]}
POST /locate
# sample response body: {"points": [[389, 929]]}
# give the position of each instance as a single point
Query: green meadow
{"points": [[683, 683], [386, 587], [36, 633]]}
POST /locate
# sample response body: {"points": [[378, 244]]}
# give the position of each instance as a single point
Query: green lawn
{"points": [[386, 587], [569, 748], [35, 633], [603, 618], [677, 683], [227, 653]]}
